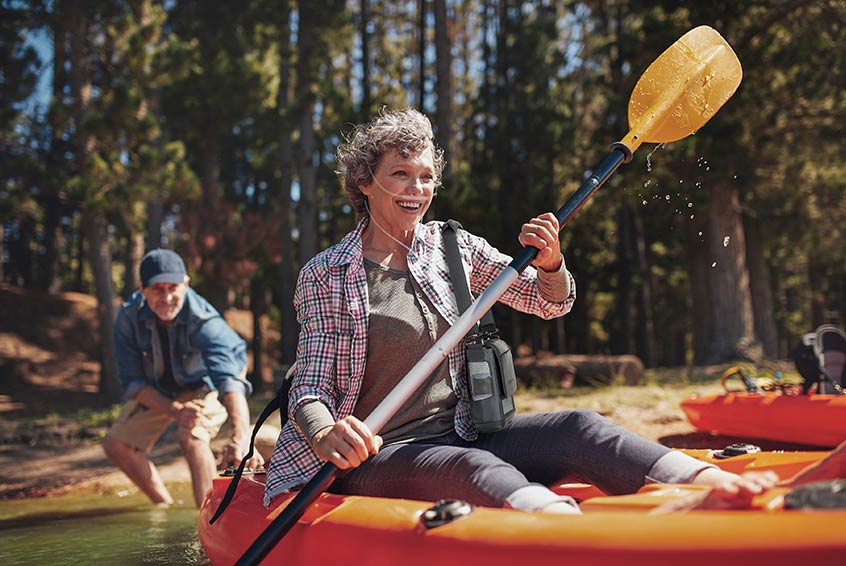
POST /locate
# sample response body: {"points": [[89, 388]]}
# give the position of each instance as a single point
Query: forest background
{"points": [[211, 127]]}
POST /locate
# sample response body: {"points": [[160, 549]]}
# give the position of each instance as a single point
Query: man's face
{"points": [[165, 299]]}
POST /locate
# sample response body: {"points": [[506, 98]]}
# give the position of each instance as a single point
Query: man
{"points": [[179, 361]]}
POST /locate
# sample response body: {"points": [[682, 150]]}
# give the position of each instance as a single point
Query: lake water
{"points": [[93, 529]]}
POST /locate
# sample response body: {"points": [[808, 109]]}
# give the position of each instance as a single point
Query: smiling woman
{"points": [[381, 299], [383, 290]]}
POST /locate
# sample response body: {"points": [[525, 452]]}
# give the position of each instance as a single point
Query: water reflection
{"points": [[86, 529]]}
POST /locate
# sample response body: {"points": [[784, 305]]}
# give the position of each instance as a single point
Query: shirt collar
{"points": [[349, 249]]}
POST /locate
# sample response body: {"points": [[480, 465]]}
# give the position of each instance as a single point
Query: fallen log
{"points": [[566, 370]]}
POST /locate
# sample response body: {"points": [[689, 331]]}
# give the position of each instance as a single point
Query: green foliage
{"points": [[187, 113]]}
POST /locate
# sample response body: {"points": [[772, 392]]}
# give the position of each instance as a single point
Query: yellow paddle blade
{"points": [[682, 88]]}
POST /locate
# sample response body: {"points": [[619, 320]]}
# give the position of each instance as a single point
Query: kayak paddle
{"points": [[674, 97]]}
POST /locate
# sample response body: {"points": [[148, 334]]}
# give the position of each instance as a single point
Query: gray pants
{"points": [[533, 449]]}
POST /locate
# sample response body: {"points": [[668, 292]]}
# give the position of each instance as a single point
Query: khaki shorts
{"points": [[140, 427]]}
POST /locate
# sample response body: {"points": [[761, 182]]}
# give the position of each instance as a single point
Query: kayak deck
{"points": [[613, 530]]}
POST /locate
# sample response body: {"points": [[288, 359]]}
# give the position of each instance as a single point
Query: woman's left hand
{"points": [[541, 232]]}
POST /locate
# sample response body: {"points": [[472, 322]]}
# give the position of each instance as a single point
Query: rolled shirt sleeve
{"points": [[130, 364], [313, 417], [224, 355], [555, 286]]}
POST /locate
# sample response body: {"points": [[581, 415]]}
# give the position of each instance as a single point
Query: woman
{"points": [[374, 303]]}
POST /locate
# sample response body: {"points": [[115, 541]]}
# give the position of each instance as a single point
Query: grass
{"points": [[605, 398]]}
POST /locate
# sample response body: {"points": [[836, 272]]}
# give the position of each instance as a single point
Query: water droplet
{"points": [[644, 202], [681, 181], [735, 177], [714, 264], [700, 233], [667, 197], [707, 168], [691, 216], [726, 241], [690, 205]]}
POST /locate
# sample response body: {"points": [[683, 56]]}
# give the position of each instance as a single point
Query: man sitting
{"points": [[179, 361]]}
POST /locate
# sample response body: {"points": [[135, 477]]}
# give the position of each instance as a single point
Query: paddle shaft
{"points": [[283, 523]]}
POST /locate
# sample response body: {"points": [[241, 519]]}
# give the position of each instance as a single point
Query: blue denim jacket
{"points": [[204, 349]]}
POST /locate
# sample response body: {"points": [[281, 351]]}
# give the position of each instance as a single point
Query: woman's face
{"points": [[401, 190]]}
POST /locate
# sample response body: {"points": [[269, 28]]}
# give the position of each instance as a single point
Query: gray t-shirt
{"points": [[403, 326]]}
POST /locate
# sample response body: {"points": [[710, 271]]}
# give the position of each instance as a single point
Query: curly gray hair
{"points": [[406, 131]]}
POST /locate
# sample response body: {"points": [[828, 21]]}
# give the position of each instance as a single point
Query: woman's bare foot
{"points": [[730, 491], [727, 491]]}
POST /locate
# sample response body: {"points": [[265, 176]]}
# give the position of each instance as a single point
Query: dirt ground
{"points": [[48, 379]]}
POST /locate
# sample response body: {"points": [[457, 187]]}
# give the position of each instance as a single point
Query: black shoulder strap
{"points": [[279, 402], [459, 280]]}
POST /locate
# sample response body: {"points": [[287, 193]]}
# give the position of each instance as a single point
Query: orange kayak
{"points": [[813, 420], [613, 530]]}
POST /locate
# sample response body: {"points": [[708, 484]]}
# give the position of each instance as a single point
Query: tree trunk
{"points": [[210, 167], [365, 60], [307, 79], [443, 85], [700, 291], [155, 204], [421, 55], [645, 327], [816, 275], [258, 304], [49, 272], [153, 228], [93, 224], [733, 329], [762, 296], [622, 325], [50, 279], [100, 260], [215, 289], [560, 342], [132, 260], [80, 257], [287, 274]]}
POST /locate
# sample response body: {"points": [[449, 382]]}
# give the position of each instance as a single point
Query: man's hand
{"points": [[236, 448], [234, 452], [189, 413]]}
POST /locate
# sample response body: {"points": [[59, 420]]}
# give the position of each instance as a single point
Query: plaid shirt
{"points": [[332, 308]]}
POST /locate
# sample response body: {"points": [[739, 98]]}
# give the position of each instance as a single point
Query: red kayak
{"points": [[813, 420], [770, 410], [351, 530]]}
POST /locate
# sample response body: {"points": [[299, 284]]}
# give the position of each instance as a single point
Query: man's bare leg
{"points": [[138, 468], [200, 460]]}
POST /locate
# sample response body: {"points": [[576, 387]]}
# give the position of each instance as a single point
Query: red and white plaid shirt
{"points": [[332, 308]]}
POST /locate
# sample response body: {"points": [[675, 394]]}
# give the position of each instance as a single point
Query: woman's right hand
{"points": [[346, 444]]}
